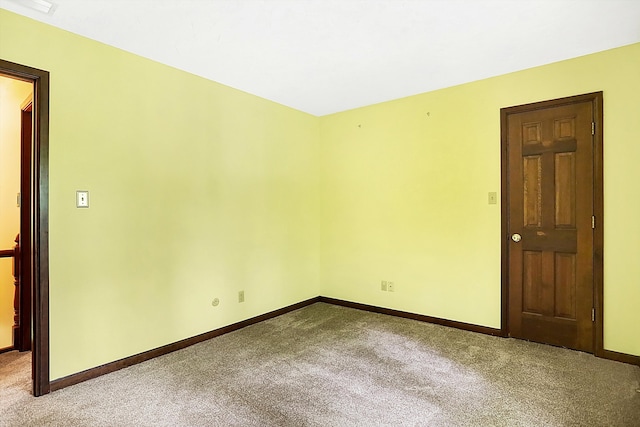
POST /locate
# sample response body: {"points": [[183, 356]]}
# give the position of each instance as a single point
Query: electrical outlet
{"points": [[241, 296], [391, 287], [383, 285]]}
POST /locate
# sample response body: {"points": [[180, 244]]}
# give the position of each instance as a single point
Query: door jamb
{"points": [[24, 338], [38, 220], [596, 99]]}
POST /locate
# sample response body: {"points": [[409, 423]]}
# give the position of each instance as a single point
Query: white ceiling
{"points": [[325, 56]]}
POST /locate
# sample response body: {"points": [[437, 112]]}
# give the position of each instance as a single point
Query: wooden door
{"points": [[550, 205]]}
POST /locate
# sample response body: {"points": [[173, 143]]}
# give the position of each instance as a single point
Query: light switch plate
{"points": [[82, 199], [493, 198]]}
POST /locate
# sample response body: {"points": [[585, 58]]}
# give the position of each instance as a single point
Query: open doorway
{"points": [[16, 131], [14, 96], [33, 254]]}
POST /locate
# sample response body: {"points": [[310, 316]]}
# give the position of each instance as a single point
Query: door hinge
{"points": [[593, 128], [593, 221], [593, 314]]}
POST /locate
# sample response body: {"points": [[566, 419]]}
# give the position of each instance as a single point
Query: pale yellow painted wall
{"points": [[405, 183], [197, 191], [12, 95]]}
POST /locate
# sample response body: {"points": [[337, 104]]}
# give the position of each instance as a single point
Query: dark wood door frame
{"points": [[22, 340], [596, 99], [38, 220]]}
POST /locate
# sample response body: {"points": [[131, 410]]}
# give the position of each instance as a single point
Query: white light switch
{"points": [[82, 199], [493, 198]]}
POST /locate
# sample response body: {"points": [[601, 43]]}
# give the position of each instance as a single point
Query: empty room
{"points": [[319, 213]]}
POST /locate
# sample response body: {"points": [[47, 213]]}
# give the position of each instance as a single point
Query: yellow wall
{"points": [[197, 191], [12, 95], [405, 183]]}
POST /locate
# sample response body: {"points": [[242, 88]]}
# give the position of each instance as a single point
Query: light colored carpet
{"points": [[326, 365]]}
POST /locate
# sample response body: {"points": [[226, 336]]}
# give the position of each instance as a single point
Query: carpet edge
{"points": [[116, 365]]}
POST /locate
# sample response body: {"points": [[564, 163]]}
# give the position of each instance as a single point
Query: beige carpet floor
{"points": [[326, 365]]}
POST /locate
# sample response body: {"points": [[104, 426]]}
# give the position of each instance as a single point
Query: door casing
{"points": [[23, 338], [38, 220], [596, 98]]}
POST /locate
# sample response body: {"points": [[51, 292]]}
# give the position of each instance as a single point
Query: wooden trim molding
{"points": [[6, 349], [35, 234], [598, 231], [620, 357], [7, 253], [420, 317], [504, 224], [605, 354], [169, 348]]}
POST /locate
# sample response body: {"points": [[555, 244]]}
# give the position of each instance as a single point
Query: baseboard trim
{"points": [[604, 354], [620, 357], [421, 317], [6, 349], [169, 348]]}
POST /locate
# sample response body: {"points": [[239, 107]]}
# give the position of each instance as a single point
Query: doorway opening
{"points": [[34, 222], [552, 216]]}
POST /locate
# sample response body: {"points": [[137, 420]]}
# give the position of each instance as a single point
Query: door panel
{"points": [[565, 296], [550, 205]]}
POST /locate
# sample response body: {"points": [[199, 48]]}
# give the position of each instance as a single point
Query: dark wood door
{"points": [[550, 208]]}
